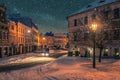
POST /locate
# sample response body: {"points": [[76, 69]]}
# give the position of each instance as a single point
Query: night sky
{"points": [[49, 15]]}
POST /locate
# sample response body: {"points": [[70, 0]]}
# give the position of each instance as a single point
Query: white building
{"points": [[80, 22]]}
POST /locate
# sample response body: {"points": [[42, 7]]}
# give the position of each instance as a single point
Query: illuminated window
{"points": [[106, 52], [116, 51]]}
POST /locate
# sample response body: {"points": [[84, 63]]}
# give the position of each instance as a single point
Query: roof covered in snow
{"points": [[25, 20], [95, 4]]}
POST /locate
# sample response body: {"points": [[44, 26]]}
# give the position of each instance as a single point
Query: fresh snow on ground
{"points": [[24, 58], [67, 68]]}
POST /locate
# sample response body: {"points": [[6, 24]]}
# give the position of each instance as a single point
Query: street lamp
{"points": [[94, 28], [29, 31], [44, 38]]}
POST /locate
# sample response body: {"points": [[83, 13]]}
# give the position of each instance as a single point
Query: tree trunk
{"points": [[100, 54]]}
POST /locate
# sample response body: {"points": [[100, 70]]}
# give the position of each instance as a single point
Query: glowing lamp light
{"points": [[43, 38], [94, 27], [106, 50], [28, 31], [117, 54]]}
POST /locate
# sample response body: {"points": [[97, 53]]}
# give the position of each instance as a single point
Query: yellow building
{"points": [[24, 36], [12, 37], [36, 37], [43, 41], [47, 41], [58, 40], [19, 38]]}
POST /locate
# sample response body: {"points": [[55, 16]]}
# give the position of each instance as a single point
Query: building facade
{"points": [[20, 40], [4, 46], [47, 41], [80, 23], [54, 41], [36, 37], [23, 35], [13, 39], [60, 40]]}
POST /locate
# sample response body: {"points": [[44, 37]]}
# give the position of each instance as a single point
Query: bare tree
{"points": [[107, 26], [103, 19]]}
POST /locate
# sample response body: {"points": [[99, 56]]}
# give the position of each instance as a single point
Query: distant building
{"points": [[56, 40], [60, 40], [80, 22], [47, 41], [4, 46]]}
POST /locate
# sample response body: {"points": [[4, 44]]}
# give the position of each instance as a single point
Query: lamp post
{"points": [[94, 28]]}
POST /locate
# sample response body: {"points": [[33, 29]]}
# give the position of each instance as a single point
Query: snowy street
{"points": [[22, 61], [67, 68], [28, 60]]}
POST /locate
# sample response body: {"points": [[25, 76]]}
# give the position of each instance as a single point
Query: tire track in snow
{"points": [[51, 78]]}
